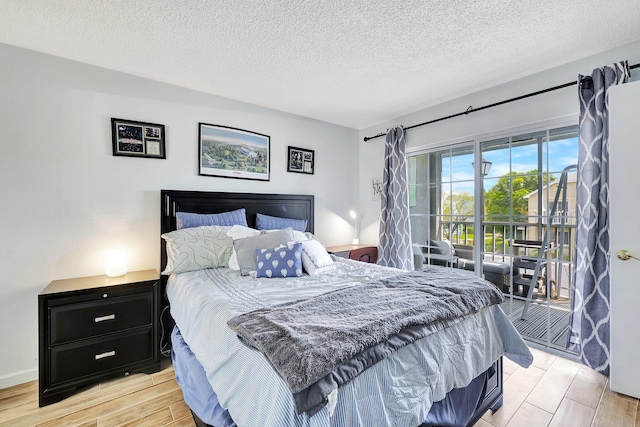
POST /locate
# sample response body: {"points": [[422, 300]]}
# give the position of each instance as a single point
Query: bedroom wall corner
{"points": [[67, 200]]}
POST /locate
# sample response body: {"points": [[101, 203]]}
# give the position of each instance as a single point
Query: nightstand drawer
{"points": [[91, 357], [93, 318]]}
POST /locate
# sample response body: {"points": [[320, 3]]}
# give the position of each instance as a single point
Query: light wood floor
{"points": [[552, 392]]}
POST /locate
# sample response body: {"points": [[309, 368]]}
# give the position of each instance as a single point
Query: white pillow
{"points": [[197, 248], [239, 232], [299, 236], [233, 260], [315, 258], [311, 236]]}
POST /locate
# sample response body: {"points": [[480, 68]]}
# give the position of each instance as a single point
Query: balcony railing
{"points": [[498, 238], [543, 318]]}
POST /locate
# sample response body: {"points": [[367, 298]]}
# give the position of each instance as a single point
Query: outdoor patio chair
{"points": [[498, 273], [436, 253]]}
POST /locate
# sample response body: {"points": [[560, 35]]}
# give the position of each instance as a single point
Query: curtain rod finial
{"points": [[369, 138]]}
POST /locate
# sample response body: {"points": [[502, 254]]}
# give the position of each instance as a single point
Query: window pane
{"points": [[419, 228], [462, 165], [497, 199], [524, 153], [419, 199], [562, 148], [421, 164], [497, 152]]}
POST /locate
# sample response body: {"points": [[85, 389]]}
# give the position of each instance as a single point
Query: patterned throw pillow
{"points": [[283, 261], [197, 248], [246, 248]]}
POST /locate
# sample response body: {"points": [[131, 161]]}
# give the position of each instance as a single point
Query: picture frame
{"points": [[229, 152], [301, 160], [137, 139]]}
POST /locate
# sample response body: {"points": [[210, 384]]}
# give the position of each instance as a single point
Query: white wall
{"points": [[65, 200], [560, 107]]}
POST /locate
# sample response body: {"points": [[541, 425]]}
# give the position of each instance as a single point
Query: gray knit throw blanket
{"points": [[306, 340]]}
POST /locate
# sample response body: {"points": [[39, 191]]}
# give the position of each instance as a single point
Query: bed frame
{"points": [[297, 206]]}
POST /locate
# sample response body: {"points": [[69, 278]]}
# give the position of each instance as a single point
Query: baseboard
{"points": [[18, 378]]}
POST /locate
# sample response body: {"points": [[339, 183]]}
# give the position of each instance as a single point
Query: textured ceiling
{"points": [[354, 63]]}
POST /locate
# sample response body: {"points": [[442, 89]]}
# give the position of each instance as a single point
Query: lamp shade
{"points": [[115, 263]]}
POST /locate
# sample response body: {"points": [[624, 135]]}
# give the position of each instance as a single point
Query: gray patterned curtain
{"points": [[395, 232], [589, 326]]}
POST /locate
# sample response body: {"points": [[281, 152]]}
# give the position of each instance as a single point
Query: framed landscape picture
{"points": [[233, 153], [137, 139], [301, 160]]}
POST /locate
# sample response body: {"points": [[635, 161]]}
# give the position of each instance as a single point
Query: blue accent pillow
{"points": [[266, 222], [190, 220], [283, 261]]}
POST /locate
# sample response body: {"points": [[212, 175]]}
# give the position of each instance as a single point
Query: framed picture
{"points": [[300, 160], [137, 139], [233, 153]]}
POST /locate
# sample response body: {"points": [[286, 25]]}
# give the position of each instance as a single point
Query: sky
{"points": [[557, 155]]}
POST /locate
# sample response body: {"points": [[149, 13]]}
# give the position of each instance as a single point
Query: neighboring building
{"points": [[566, 207]]}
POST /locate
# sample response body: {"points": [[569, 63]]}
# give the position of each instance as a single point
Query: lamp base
{"points": [[116, 271]]}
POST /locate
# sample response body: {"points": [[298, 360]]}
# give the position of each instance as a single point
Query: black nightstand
{"points": [[91, 328]]}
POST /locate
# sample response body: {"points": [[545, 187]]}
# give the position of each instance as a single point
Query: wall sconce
{"points": [[355, 240], [486, 166], [115, 263]]}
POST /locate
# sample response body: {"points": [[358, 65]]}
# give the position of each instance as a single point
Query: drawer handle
{"points": [[105, 354], [103, 318]]}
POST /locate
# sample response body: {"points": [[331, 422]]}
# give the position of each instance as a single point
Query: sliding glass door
{"points": [[511, 220], [441, 200]]}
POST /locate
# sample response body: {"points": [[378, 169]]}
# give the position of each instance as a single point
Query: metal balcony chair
{"points": [[435, 253]]}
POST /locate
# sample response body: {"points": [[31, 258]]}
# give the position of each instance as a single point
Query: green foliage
{"points": [[457, 207], [514, 185]]}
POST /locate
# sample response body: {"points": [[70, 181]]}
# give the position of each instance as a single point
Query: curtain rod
{"points": [[473, 110]]}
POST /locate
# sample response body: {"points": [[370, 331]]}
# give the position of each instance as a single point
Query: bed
{"points": [[226, 382]]}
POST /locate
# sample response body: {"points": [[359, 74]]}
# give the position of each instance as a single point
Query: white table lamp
{"points": [[355, 240], [115, 263]]}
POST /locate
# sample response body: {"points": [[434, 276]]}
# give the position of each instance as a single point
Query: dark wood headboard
{"points": [[298, 206]]}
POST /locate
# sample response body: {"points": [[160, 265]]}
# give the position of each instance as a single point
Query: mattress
{"points": [[456, 409], [398, 391]]}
